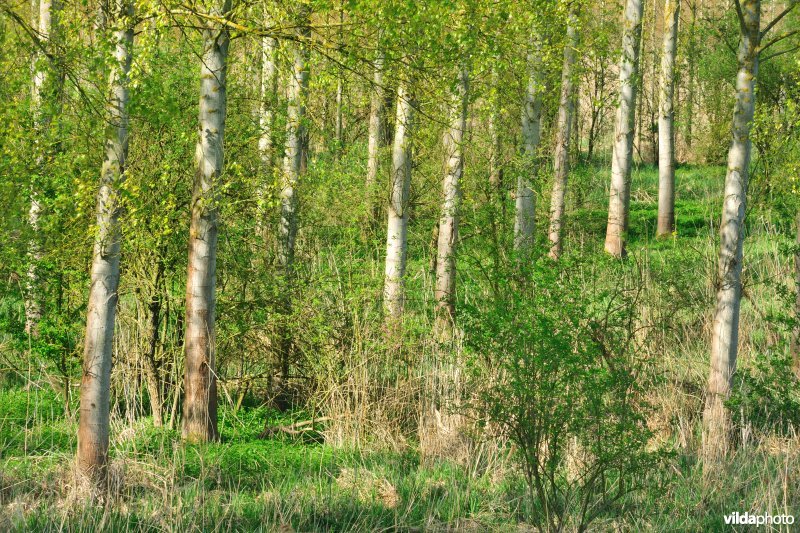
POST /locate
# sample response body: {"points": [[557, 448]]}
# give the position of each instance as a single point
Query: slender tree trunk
{"points": [[374, 142], [339, 127], [451, 204], [795, 347], [666, 116], [269, 83], [525, 215], [295, 146], [397, 226], [622, 158], [43, 93], [563, 136], [495, 164], [294, 165], [725, 336], [93, 427], [690, 74], [150, 366], [200, 381]]}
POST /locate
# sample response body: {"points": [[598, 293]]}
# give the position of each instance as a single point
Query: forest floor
{"points": [[300, 483]]}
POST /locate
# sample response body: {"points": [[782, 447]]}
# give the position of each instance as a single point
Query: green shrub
{"points": [[552, 368]]}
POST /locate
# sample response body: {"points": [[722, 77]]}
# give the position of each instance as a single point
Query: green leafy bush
{"points": [[766, 394], [552, 369]]}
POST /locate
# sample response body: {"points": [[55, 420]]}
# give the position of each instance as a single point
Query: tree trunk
{"points": [[563, 136], [374, 142], [294, 164], [397, 226], [451, 203], [795, 347], [725, 336], [495, 155], [295, 145], [95, 385], [42, 95], [525, 215], [200, 382], [150, 366], [690, 74], [666, 115], [622, 158], [269, 83]]}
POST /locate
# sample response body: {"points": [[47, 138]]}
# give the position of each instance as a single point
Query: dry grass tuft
{"points": [[368, 487]]}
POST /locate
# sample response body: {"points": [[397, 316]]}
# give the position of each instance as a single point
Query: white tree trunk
{"points": [[269, 82], [666, 115], [42, 95], [200, 383], [524, 222], [725, 335], [97, 355], [397, 226], [622, 157], [373, 144], [293, 155], [451, 203], [563, 136], [339, 127], [375, 123]]}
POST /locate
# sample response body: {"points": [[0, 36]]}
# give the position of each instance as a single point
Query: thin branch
{"points": [[778, 18], [742, 25], [776, 54], [778, 39]]}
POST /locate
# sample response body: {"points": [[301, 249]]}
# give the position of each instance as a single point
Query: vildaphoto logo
{"points": [[742, 519]]}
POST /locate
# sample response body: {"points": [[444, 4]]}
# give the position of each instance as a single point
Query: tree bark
{"points": [[666, 116], [44, 87], [691, 60], [525, 214], [563, 136], [622, 158], [374, 142], [397, 226], [150, 366], [495, 154], [294, 165], [295, 141], [725, 336], [200, 382], [93, 426], [269, 83], [451, 204]]}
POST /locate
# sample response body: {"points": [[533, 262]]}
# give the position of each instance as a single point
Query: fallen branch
{"points": [[296, 428]]}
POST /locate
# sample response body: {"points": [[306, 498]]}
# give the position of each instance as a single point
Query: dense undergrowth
{"points": [[360, 467]]}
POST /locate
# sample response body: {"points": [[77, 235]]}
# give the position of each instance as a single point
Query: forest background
{"points": [[456, 265]]}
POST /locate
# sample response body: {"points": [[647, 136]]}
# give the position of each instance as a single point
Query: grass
{"points": [[286, 483]]}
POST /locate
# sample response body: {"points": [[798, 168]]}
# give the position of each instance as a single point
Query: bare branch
{"points": [[778, 18]]}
